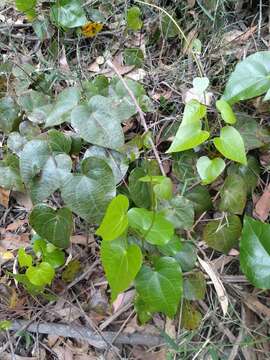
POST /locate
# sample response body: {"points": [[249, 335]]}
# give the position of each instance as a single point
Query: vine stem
{"points": [[141, 114], [181, 32]]}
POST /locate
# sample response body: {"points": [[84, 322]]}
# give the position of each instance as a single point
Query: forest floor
{"points": [[80, 323]]}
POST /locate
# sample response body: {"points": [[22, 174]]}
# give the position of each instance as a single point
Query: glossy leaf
{"points": [[134, 21], [88, 193], [121, 262], [24, 259], [226, 111], [115, 221], [140, 192], [161, 287], [68, 14], [255, 252], [52, 225], [251, 78], [209, 169], [152, 226], [41, 274], [233, 195], [223, 235], [231, 145], [194, 286]]}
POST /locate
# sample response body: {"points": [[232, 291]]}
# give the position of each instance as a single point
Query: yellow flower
{"points": [[91, 29]]}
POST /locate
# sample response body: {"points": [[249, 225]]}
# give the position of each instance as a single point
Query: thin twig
{"points": [[84, 333], [141, 114]]}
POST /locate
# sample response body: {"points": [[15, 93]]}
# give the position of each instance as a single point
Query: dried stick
{"points": [[141, 114], [84, 333]]}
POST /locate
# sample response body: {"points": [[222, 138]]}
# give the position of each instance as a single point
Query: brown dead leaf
{"points": [[10, 241], [4, 197], [191, 3], [63, 64], [7, 356], [256, 306], [123, 299], [91, 356], [118, 63], [63, 353], [23, 200], [133, 327], [192, 35], [15, 225], [82, 239], [262, 207], [145, 355]]}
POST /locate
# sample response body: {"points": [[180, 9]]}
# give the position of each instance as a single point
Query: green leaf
{"points": [[58, 142], [194, 286], [231, 145], [5, 325], [226, 111], [98, 86], [28, 7], [115, 221], [222, 235], [31, 101], [249, 173], [190, 133], [43, 29], [184, 167], [162, 186], [190, 317], [152, 226], [49, 253], [41, 274], [251, 78], [9, 112], [180, 212], [209, 169], [161, 287], [52, 225], [140, 192], [117, 161], [29, 130], [89, 192], [72, 269], [96, 123], [183, 252], [134, 21], [253, 134], [24, 259], [68, 14], [16, 142], [133, 56], [59, 111], [200, 198], [121, 263], [168, 28], [233, 195], [267, 95], [10, 178], [255, 252]]}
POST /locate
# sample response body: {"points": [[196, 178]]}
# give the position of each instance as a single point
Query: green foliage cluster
{"points": [[143, 224]]}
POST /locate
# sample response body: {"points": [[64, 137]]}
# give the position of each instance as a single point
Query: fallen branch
{"points": [[85, 334]]}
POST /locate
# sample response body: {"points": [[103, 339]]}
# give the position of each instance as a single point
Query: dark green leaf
{"points": [[233, 195], [222, 235], [133, 56], [9, 111], [121, 263], [255, 252], [72, 269], [52, 225], [180, 212], [161, 287], [140, 192], [200, 198], [191, 317], [194, 286], [58, 142]]}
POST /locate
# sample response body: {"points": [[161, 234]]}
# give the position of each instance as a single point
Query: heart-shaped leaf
{"points": [[89, 192], [24, 259], [190, 133], [10, 177], [161, 288], [231, 145], [209, 169], [49, 253], [96, 124], [156, 229], [52, 225], [233, 195], [140, 192], [255, 252], [115, 221], [223, 235], [251, 78], [41, 274], [121, 263], [180, 212], [9, 111], [134, 21], [226, 111], [68, 14]]}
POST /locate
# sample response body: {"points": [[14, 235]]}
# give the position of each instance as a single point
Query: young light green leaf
{"points": [[52, 225], [25, 260], [190, 133], [251, 78], [89, 192], [233, 195], [68, 14], [223, 235], [162, 186], [121, 263], [134, 21], [49, 253], [152, 226], [209, 169], [231, 145], [226, 111], [115, 221], [161, 288], [255, 252], [28, 7], [41, 274]]}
